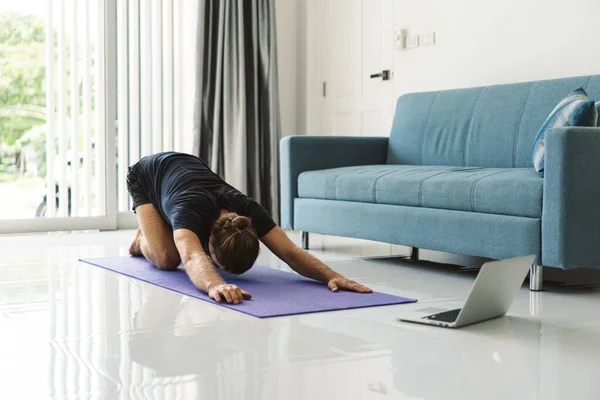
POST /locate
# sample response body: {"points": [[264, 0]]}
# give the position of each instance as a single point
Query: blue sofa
{"points": [[456, 175]]}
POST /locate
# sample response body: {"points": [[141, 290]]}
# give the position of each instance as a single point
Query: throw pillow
{"points": [[574, 110]]}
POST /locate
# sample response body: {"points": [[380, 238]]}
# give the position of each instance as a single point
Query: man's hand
{"points": [[201, 270], [306, 264], [231, 293], [342, 283]]}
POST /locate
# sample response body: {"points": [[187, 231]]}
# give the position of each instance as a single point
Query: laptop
{"points": [[492, 294]]}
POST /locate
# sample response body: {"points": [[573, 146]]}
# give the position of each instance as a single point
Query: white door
{"points": [[357, 43]]}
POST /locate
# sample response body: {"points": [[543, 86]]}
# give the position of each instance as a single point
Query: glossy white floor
{"points": [[70, 330]]}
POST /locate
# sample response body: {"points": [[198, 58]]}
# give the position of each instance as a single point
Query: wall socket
{"points": [[412, 42], [427, 39], [403, 41]]}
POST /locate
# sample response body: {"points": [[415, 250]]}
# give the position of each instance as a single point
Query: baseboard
{"points": [[126, 220]]}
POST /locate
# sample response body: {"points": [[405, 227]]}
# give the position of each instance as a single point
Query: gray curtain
{"points": [[236, 120]]}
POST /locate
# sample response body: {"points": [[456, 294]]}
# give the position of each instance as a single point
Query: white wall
{"points": [[479, 42], [483, 42], [297, 56], [286, 23]]}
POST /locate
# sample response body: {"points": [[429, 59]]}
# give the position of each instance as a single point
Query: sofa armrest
{"points": [[309, 153], [571, 200]]}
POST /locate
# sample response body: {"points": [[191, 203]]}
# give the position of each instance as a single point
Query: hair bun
{"points": [[240, 223]]}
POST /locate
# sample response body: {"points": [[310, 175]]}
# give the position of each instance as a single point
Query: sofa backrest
{"points": [[492, 126]]}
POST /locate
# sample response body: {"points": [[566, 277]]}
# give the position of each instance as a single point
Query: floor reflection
{"points": [[69, 331], [172, 339]]}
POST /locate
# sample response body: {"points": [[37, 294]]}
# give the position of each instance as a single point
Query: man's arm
{"points": [[199, 267], [306, 264]]}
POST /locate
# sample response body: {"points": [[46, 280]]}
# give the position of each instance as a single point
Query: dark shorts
{"points": [[136, 186]]}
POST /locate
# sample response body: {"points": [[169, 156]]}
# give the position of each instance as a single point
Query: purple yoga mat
{"points": [[274, 293]]}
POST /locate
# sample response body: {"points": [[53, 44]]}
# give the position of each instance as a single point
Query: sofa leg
{"points": [[535, 304], [536, 278], [305, 240], [414, 253]]}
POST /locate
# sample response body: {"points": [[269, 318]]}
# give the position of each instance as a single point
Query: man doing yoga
{"points": [[187, 213]]}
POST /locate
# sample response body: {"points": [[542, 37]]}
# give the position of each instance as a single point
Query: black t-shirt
{"points": [[189, 195]]}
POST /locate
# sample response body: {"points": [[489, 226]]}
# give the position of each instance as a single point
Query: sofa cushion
{"points": [[491, 127], [574, 110], [510, 191]]}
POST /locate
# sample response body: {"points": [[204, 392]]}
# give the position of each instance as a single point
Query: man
{"points": [[188, 214]]}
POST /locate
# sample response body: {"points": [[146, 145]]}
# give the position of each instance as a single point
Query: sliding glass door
{"points": [[87, 88], [55, 101]]}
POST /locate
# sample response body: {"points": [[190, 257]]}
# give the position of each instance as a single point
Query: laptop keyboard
{"points": [[446, 316]]}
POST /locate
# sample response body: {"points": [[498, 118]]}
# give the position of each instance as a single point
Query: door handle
{"points": [[384, 75]]}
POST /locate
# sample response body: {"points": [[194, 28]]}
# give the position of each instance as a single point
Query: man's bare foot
{"points": [[135, 249]]}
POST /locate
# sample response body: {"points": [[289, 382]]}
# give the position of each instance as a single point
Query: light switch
{"points": [[427, 40], [400, 39], [412, 42]]}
